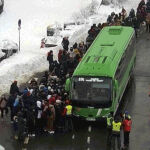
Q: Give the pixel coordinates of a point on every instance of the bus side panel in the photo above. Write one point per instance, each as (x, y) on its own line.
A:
(124, 82)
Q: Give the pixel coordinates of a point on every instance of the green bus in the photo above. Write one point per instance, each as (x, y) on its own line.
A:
(100, 79)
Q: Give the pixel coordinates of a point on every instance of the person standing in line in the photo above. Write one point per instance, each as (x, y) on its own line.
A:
(116, 127)
(3, 106)
(68, 123)
(65, 43)
(126, 129)
(14, 88)
(109, 127)
(50, 60)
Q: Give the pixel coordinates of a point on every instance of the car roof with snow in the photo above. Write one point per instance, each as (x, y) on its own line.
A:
(8, 45)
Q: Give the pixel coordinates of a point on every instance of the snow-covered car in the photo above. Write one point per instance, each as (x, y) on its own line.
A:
(50, 42)
(8, 47)
(1, 5)
(68, 24)
(53, 29)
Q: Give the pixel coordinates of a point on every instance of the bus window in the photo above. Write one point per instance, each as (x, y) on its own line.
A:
(91, 90)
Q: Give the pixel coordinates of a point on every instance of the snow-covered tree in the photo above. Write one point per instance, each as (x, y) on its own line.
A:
(115, 2)
(86, 12)
(106, 2)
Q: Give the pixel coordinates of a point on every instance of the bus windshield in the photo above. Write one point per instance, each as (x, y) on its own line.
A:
(91, 90)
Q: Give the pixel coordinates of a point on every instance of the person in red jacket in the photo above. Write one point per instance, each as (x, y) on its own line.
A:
(126, 128)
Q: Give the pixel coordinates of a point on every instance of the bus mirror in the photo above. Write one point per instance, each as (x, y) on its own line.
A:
(67, 85)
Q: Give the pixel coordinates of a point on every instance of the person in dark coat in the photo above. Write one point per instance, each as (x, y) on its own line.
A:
(21, 126)
(136, 25)
(109, 19)
(65, 43)
(11, 101)
(75, 45)
(14, 88)
(64, 61)
(132, 13)
(50, 60)
(58, 110)
(141, 4)
(30, 122)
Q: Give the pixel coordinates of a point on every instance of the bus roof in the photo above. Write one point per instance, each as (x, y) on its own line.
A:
(104, 55)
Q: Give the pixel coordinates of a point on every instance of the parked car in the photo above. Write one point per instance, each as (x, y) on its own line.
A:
(53, 29)
(50, 31)
(1, 6)
(8, 48)
(66, 24)
(50, 42)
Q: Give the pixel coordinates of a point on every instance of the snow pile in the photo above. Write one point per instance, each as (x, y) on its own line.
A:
(8, 45)
(2, 148)
(1, 54)
(39, 15)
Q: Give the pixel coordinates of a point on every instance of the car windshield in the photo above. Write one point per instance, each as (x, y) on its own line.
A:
(91, 89)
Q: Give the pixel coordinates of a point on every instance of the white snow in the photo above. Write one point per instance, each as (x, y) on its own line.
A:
(36, 15)
(2, 148)
(1, 54)
(8, 45)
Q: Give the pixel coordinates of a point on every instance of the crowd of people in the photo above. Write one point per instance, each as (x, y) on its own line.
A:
(135, 19)
(44, 106)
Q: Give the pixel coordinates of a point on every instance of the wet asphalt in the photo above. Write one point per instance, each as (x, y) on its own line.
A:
(92, 136)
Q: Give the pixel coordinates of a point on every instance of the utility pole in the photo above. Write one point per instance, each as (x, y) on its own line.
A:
(19, 28)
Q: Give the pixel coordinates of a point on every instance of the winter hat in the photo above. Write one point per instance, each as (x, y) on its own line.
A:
(49, 96)
(38, 103)
(49, 88)
(126, 112)
(65, 93)
(25, 91)
(52, 90)
(58, 101)
(45, 89)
